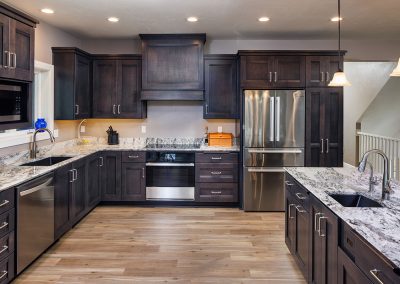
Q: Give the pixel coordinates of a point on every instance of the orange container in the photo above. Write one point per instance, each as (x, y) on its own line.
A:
(220, 139)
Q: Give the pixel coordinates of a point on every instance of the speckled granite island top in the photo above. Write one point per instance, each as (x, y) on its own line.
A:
(12, 173)
(379, 226)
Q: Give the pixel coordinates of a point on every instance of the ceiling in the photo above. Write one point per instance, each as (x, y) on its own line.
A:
(233, 19)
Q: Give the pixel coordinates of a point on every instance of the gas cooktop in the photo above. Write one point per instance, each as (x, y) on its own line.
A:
(173, 146)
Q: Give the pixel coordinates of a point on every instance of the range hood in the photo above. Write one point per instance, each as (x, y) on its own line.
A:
(173, 67)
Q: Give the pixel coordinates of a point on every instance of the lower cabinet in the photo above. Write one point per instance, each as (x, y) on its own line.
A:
(133, 181)
(110, 176)
(348, 272)
(7, 235)
(62, 191)
(7, 269)
(93, 165)
(78, 191)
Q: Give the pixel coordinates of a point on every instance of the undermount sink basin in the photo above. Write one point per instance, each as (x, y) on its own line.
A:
(355, 200)
(47, 161)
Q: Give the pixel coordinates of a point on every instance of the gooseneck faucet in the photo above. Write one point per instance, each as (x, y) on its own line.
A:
(34, 142)
(386, 188)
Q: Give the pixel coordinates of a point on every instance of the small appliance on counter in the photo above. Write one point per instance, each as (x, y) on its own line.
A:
(113, 137)
(220, 139)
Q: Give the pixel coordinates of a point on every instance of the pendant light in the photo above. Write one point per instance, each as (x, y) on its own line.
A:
(396, 71)
(339, 78)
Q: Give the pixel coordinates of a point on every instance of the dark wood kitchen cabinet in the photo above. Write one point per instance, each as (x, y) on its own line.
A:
(93, 166)
(72, 83)
(62, 192)
(117, 86)
(17, 37)
(78, 191)
(320, 69)
(260, 70)
(348, 272)
(133, 181)
(173, 66)
(111, 176)
(324, 131)
(221, 87)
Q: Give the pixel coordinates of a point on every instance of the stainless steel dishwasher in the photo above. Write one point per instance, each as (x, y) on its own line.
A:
(35, 219)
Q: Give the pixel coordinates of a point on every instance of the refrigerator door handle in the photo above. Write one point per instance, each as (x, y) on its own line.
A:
(278, 118)
(271, 119)
(276, 151)
(266, 170)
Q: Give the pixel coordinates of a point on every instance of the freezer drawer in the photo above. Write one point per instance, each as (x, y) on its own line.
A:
(274, 157)
(264, 189)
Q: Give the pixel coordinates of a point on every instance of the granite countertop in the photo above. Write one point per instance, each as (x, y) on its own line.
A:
(13, 174)
(379, 226)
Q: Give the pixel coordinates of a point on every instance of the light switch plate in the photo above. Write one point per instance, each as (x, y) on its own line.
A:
(219, 129)
(143, 128)
(83, 128)
(55, 132)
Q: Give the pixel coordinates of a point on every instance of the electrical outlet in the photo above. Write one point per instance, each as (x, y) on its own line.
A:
(143, 128)
(55, 132)
(219, 129)
(83, 128)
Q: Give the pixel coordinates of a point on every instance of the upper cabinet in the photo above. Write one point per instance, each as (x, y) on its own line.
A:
(221, 87)
(72, 83)
(17, 37)
(116, 87)
(269, 70)
(173, 66)
(320, 69)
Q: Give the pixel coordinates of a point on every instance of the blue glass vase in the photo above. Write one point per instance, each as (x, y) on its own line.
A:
(40, 123)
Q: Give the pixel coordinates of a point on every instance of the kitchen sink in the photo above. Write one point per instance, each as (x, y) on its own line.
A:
(355, 200)
(47, 161)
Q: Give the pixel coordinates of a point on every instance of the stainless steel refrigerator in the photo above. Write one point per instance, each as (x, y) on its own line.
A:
(274, 128)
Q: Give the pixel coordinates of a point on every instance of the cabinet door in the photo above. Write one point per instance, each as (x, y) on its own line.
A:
(316, 75)
(301, 245)
(62, 192)
(79, 191)
(82, 87)
(256, 71)
(289, 71)
(348, 272)
(111, 176)
(93, 178)
(129, 86)
(315, 121)
(333, 126)
(133, 181)
(4, 46)
(290, 221)
(22, 38)
(104, 88)
(221, 95)
(316, 246)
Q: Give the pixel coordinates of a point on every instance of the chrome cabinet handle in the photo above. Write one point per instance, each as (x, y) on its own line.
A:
(7, 59)
(206, 108)
(276, 77)
(299, 210)
(216, 192)
(101, 161)
(315, 221)
(119, 109)
(328, 77)
(72, 176)
(3, 249)
(4, 225)
(327, 146)
(288, 183)
(322, 77)
(289, 211)
(216, 158)
(299, 196)
(216, 173)
(322, 146)
(270, 77)
(15, 60)
(13, 57)
(319, 226)
(4, 273)
(4, 203)
(133, 157)
(143, 175)
(76, 109)
(374, 273)
(113, 109)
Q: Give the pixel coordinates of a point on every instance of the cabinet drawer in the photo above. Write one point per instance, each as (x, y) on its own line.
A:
(7, 222)
(370, 262)
(348, 272)
(6, 200)
(135, 157)
(6, 245)
(217, 192)
(299, 193)
(216, 172)
(216, 157)
(7, 269)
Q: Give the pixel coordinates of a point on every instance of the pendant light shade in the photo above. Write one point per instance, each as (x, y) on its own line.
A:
(396, 71)
(339, 78)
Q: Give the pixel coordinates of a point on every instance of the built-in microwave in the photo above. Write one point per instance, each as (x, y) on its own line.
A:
(15, 105)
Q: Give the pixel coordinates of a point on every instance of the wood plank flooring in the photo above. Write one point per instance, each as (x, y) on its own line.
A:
(123, 244)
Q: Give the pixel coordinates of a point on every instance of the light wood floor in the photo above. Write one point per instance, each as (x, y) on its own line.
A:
(117, 244)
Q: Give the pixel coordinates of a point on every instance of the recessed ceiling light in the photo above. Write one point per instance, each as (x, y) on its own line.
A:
(263, 19)
(336, 19)
(47, 11)
(192, 19)
(113, 19)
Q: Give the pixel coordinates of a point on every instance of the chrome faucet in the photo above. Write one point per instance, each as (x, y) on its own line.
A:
(33, 144)
(386, 188)
(373, 180)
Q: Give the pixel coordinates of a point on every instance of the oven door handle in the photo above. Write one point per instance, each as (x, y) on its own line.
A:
(170, 164)
(266, 170)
